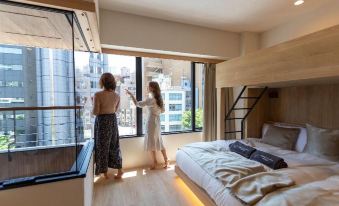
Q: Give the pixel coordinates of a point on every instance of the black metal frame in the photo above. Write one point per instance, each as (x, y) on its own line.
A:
(193, 96)
(138, 74)
(249, 110)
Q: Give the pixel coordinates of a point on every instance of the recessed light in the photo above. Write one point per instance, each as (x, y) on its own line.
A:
(298, 2)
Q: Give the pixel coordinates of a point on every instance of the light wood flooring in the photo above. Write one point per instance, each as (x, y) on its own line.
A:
(144, 187)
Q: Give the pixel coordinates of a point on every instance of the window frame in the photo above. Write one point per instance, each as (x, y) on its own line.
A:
(139, 111)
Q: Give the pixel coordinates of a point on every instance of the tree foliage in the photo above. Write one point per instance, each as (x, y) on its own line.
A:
(4, 141)
(187, 119)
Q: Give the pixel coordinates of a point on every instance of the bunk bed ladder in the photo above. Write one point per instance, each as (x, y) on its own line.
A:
(247, 109)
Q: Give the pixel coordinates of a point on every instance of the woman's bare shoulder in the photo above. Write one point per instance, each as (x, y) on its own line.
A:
(99, 93)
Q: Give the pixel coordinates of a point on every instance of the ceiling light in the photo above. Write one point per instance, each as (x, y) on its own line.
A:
(298, 2)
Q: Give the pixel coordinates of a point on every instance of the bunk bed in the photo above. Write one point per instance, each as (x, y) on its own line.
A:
(295, 82)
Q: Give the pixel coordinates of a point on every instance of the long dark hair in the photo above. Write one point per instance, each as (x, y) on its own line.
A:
(156, 93)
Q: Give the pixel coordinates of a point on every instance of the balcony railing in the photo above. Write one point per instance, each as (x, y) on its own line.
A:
(44, 127)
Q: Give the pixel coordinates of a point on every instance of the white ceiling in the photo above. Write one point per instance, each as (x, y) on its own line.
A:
(229, 15)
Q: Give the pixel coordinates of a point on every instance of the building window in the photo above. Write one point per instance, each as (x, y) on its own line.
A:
(175, 96)
(174, 128)
(162, 118)
(10, 50)
(175, 107)
(175, 117)
(10, 67)
(14, 84)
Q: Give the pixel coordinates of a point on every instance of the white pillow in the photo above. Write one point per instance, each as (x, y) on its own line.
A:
(302, 138)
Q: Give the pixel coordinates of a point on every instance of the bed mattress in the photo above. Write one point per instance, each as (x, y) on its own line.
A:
(215, 189)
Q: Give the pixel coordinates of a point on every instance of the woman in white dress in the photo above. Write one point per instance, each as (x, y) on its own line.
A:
(155, 106)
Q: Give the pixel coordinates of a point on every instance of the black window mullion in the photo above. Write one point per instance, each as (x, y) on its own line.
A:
(193, 95)
(138, 74)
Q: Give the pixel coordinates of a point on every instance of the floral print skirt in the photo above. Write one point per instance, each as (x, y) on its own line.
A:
(107, 148)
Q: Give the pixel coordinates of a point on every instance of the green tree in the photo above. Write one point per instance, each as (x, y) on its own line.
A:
(187, 119)
(4, 141)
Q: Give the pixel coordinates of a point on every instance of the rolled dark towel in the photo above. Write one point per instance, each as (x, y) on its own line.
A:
(269, 160)
(242, 149)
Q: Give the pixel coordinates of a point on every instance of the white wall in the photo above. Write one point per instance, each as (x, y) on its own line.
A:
(126, 30)
(133, 154)
(322, 18)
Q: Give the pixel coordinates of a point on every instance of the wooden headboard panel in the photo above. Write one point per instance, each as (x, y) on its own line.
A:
(316, 104)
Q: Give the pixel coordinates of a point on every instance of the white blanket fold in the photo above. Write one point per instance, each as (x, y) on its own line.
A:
(318, 193)
(226, 166)
(249, 190)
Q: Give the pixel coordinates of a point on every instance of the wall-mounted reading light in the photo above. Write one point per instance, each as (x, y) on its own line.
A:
(298, 2)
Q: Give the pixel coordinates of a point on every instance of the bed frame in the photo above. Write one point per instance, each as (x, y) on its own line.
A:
(197, 190)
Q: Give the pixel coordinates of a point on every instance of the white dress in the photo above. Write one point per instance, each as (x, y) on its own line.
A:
(153, 139)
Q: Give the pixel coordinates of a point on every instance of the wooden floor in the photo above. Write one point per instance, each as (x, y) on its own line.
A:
(144, 187)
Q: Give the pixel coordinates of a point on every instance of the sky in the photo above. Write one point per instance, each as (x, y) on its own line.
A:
(114, 61)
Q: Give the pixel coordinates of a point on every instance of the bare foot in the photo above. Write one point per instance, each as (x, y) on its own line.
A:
(106, 176)
(154, 166)
(166, 163)
(118, 176)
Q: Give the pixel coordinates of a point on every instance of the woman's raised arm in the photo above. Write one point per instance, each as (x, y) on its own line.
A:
(132, 96)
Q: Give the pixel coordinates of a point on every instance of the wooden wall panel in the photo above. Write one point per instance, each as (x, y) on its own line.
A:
(317, 105)
(312, 57)
(259, 115)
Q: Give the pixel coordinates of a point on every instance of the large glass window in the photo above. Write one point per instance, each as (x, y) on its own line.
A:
(89, 67)
(174, 78)
(35, 78)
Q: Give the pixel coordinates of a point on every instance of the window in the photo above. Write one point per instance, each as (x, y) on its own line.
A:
(175, 81)
(162, 118)
(173, 128)
(10, 50)
(10, 67)
(175, 96)
(134, 73)
(124, 70)
(37, 77)
(175, 107)
(14, 84)
(175, 117)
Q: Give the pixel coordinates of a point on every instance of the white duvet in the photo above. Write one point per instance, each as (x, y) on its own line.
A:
(220, 194)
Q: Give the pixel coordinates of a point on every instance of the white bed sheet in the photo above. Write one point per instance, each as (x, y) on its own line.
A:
(216, 190)
(212, 186)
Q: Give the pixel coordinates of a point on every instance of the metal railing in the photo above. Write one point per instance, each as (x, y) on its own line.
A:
(14, 114)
